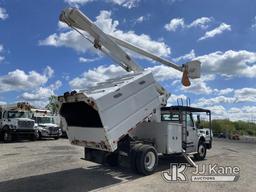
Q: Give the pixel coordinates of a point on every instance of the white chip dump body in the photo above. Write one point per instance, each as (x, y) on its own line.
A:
(100, 116)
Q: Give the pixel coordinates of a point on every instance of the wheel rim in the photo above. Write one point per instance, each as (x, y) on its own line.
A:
(37, 134)
(6, 136)
(150, 160)
(201, 150)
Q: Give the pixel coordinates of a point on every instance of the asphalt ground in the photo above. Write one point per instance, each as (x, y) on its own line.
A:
(55, 165)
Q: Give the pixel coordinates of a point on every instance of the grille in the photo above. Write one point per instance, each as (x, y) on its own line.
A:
(25, 124)
(53, 129)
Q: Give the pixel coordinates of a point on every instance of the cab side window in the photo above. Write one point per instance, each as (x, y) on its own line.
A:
(190, 120)
(5, 115)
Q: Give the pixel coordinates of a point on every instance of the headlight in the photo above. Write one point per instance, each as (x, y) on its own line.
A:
(42, 128)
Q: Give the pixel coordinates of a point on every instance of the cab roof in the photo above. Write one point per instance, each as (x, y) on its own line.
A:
(185, 108)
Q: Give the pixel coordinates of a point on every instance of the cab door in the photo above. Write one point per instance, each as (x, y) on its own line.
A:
(191, 140)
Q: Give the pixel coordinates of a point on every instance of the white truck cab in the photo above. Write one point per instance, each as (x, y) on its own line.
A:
(45, 124)
(15, 121)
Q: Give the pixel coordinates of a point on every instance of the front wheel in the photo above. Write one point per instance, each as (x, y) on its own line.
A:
(201, 152)
(36, 135)
(146, 159)
(7, 136)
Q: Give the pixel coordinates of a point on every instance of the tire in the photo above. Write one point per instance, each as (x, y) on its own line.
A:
(39, 135)
(56, 138)
(133, 155)
(36, 135)
(7, 136)
(112, 159)
(146, 160)
(201, 152)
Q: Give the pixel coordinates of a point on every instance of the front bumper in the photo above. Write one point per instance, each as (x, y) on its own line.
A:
(47, 133)
(23, 132)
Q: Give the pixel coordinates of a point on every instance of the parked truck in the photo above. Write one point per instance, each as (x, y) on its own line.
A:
(15, 121)
(45, 124)
(127, 116)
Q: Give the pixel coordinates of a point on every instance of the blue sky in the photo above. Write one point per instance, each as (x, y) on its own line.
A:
(40, 56)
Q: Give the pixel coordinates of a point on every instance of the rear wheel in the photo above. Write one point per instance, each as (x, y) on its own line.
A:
(133, 154)
(146, 159)
(201, 152)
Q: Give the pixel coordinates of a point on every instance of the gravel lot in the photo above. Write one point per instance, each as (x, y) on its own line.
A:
(51, 165)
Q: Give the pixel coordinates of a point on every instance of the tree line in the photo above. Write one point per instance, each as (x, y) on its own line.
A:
(232, 127)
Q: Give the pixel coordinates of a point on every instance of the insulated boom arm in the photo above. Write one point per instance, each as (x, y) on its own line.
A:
(111, 46)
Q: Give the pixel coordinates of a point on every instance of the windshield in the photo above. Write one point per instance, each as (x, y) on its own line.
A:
(42, 120)
(18, 114)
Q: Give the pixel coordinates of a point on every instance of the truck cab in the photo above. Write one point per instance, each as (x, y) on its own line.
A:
(15, 121)
(195, 139)
(45, 124)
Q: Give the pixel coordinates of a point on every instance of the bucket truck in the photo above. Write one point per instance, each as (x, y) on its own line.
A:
(124, 117)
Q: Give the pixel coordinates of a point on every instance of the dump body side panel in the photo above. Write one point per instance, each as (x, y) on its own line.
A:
(108, 112)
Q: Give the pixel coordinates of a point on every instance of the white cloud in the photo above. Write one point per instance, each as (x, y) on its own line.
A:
(20, 80)
(87, 60)
(102, 73)
(62, 26)
(3, 14)
(96, 75)
(189, 56)
(70, 39)
(253, 26)
(3, 103)
(201, 22)
(240, 96)
(174, 99)
(225, 91)
(199, 86)
(245, 95)
(245, 113)
(217, 31)
(164, 73)
(174, 24)
(140, 19)
(237, 63)
(124, 3)
(215, 101)
(74, 40)
(42, 93)
(218, 111)
(1, 51)
(39, 97)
